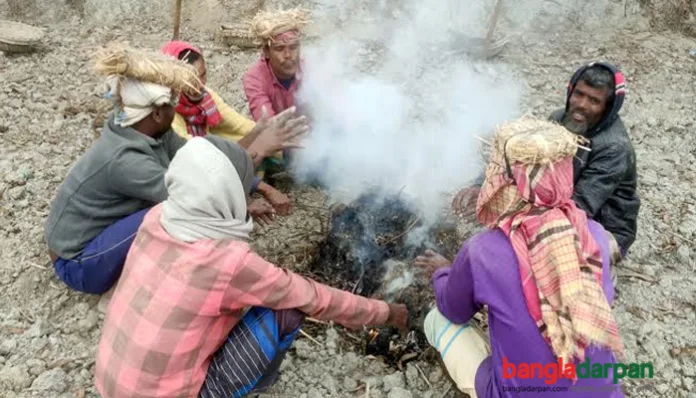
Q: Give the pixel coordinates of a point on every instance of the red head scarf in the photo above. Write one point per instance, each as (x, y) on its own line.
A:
(201, 114)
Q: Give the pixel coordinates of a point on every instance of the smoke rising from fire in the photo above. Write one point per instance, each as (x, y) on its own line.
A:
(395, 109)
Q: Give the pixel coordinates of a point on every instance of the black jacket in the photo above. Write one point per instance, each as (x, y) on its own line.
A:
(606, 179)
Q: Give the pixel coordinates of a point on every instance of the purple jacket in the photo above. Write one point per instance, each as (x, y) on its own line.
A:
(486, 272)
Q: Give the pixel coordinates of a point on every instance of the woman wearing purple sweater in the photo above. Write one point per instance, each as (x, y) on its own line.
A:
(541, 268)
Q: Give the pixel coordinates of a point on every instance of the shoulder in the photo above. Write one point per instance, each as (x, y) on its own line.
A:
(215, 96)
(615, 134)
(489, 246)
(613, 141)
(258, 71)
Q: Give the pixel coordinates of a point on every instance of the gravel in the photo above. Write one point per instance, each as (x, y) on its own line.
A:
(50, 103)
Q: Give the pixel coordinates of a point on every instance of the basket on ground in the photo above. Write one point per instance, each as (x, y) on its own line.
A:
(16, 37)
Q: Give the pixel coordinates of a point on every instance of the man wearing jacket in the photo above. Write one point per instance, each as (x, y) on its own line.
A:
(605, 177)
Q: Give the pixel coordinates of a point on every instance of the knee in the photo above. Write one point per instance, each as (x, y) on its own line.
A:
(289, 320)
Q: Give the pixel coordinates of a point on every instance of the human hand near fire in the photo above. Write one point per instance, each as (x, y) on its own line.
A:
(464, 202)
(431, 261)
(261, 211)
(398, 318)
(278, 132)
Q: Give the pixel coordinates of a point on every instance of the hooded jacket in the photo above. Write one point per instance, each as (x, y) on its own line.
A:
(605, 177)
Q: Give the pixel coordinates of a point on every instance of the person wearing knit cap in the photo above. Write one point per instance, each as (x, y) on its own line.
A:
(542, 270)
(605, 178)
(206, 113)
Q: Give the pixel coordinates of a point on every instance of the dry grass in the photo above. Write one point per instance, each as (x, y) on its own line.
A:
(148, 67)
(267, 24)
(530, 140)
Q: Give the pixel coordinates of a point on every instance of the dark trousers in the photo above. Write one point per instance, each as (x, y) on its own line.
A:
(99, 266)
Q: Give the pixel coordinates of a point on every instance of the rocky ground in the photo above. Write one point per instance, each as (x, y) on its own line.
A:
(50, 106)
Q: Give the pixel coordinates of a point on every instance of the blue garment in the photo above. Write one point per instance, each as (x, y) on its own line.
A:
(249, 360)
(97, 268)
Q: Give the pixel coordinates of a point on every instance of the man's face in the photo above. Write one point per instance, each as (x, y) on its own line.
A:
(587, 106)
(284, 58)
(163, 117)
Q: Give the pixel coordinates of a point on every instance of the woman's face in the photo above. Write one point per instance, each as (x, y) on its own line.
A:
(202, 71)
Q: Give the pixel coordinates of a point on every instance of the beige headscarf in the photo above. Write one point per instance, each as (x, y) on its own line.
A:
(206, 196)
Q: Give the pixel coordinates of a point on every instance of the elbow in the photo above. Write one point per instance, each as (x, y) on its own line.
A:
(457, 314)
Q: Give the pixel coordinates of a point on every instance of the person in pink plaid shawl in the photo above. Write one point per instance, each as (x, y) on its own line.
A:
(196, 312)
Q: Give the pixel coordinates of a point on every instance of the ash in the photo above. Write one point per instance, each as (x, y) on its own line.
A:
(369, 250)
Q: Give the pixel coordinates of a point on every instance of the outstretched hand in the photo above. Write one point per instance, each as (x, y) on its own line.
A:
(398, 318)
(262, 212)
(279, 132)
(431, 261)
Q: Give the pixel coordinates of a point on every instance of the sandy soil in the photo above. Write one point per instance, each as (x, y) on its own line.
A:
(49, 103)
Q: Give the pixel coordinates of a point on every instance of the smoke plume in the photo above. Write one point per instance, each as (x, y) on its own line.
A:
(396, 106)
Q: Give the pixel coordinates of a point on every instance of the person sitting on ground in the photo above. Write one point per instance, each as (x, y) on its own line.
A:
(542, 269)
(197, 313)
(605, 178)
(103, 199)
(273, 81)
(206, 113)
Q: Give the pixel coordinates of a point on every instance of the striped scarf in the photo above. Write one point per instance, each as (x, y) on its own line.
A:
(560, 263)
(199, 115)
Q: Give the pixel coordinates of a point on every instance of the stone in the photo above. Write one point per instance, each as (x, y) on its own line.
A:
(398, 392)
(36, 366)
(40, 328)
(14, 378)
(349, 384)
(314, 393)
(684, 253)
(55, 380)
(8, 346)
(89, 322)
(393, 380)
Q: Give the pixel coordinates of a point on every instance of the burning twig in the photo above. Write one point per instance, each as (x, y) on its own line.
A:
(310, 337)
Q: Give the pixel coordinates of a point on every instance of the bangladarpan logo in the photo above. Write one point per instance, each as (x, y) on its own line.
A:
(551, 372)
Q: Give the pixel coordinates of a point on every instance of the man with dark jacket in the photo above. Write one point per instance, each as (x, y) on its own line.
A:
(605, 177)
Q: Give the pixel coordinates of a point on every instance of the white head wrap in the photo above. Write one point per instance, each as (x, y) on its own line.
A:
(206, 197)
(137, 99)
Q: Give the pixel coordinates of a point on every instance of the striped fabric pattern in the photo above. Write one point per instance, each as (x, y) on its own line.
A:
(176, 303)
(249, 360)
(560, 263)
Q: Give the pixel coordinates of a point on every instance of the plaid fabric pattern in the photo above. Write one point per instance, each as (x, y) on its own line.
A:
(176, 303)
(560, 263)
(199, 116)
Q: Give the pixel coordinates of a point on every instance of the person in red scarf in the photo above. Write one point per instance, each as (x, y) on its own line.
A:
(209, 114)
